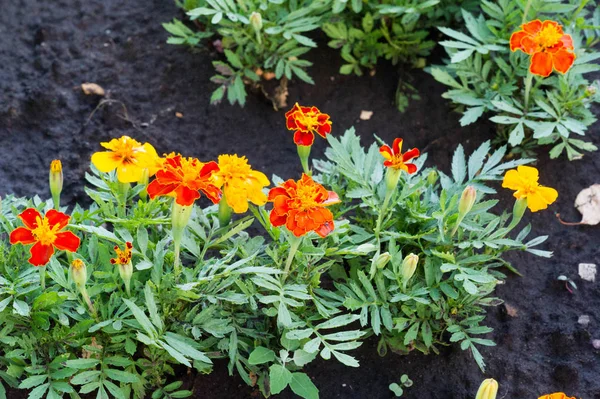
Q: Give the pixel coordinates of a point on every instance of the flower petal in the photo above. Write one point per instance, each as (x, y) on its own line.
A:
(397, 146)
(209, 168)
(155, 188)
(532, 27)
(129, 173)
(277, 191)
(386, 151)
(332, 198)
(22, 235)
(512, 180)
(410, 168)
(410, 154)
(562, 60)
(40, 254)
(30, 217)
(212, 192)
(67, 241)
(106, 161)
(541, 64)
(548, 193)
(325, 228)
(567, 42)
(303, 138)
(55, 217)
(528, 45)
(515, 40)
(528, 172)
(277, 220)
(186, 196)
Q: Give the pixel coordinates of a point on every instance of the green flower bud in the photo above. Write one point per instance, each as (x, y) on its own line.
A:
(409, 266)
(591, 91)
(467, 200)
(432, 177)
(256, 21)
(56, 181)
(382, 260)
(488, 389)
(79, 273)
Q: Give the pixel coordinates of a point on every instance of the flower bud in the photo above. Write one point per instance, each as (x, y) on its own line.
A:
(409, 266)
(432, 177)
(256, 21)
(79, 273)
(123, 261)
(392, 176)
(591, 91)
(382, 260)
(56, 181)
(488, 389)
(144, 181)
(467, 199)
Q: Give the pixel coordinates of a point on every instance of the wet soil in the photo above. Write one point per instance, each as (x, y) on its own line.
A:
(49, 48)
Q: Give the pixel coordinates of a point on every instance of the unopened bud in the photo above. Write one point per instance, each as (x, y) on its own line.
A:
(56, 181)
(144, 181)
(382, 260)
(79, 273)
(409, 266)
(488, 389)
(591, 91)
(467, 200)
(432, 177)
(256, 21)
(392, 175)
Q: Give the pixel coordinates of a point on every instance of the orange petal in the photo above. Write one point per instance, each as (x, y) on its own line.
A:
(332, 198)
(515, 40)
(29, 217)
(209, 168)
(532, 27)
(40, 254)
(528, 45)
(155, 189)
(567, 42)
(563, 60)
(67, 241)
(541, 64)
(277, 191)
(186, 196)
(22, 235)
(325, 229)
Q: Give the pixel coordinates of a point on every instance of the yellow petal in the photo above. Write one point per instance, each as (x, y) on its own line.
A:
(260, 177)
(257, 197)
(236, 199)
(536, 202)
(129, 173)
(528, 173)
(550, 195)
(512, 180)
(105, 161)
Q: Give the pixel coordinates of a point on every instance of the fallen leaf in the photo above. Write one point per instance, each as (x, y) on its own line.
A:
(511, 310)
(179, 114)
(588, 204)
(365, 115)
(587, 271)
(92, 88)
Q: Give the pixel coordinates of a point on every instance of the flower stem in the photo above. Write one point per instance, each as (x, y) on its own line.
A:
(294, 245)
(526, 11)
(88, 301)
(180, 215)
(304, 153)
(382, 212)
(56, 201)
(43, 277)
(123, 191)
(528, 82)
(224, 212)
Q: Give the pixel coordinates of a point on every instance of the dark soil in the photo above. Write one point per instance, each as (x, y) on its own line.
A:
(49, 48)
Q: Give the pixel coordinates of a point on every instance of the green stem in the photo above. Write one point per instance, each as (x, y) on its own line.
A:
(304, 153)
(123, 191)
(382, 211)
(43, 277)
(180, 215)
(528, 81)
(224, 212)
(294, 245)
(526, 11)
(56, 201)
(88, 301)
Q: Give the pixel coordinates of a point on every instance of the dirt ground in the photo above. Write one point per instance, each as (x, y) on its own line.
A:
(49, 48)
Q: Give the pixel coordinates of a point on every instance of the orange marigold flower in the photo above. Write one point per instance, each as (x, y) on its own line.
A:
(306, 121)
(548, 45)
(45, 234)
(184, 178)
(129, 157)
(301, 206)
(524, 180)
(557, 395)
(396, 159)
(123, 256)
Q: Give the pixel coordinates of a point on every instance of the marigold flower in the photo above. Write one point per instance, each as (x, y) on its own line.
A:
(548, 45)
(184, 178)
(240, 183)
(557, 395)
(301, 206)
(396, 159)
(306, 121)
(129, 157)
(123, 256)
(525, 181)
(45, 234)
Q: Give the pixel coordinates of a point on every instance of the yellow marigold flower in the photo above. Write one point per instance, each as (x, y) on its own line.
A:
(129, 157)
(524, 180)
(240, 183)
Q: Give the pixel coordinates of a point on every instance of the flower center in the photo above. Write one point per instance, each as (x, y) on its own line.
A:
(305, 197)
(43, 233)
(231, 168)
(309, 119)
(126, 150)
(190, 169)
(549, 36)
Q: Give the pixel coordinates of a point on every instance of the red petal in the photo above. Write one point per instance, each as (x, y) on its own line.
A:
(541, 64)
(532, 27)
(397, 146)
(57, 218)
(304, 138)
(563, 60)
(277, 220)
(385, 149)
(388, 163)
(209, 168)
(410, 154)
(291, 122)
(213, 193)
(155, 189)
(186, 196)
(323, 130)
(277, 191)
(411, 168)
(515, 40)
(325, 229)
(567, 42)
(67, 241)
(40, 254)
(29, 217)
(22, 235)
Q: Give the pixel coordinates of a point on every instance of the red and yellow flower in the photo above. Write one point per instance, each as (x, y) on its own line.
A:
(123, 255)
(240, 183)
(306, 121)
(395, 159)
(548, 45)
(524, 180)
(184, 179)
(557, 395)
(129, 157)
(45, 233)
(300, 206)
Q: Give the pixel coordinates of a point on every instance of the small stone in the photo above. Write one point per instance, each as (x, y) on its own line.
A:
(584, 320)
(178, 114)
(344, 385)
(587, 271)
(365, 115)
(596, 343)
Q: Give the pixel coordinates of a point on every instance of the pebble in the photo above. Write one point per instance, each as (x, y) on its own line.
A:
(584, 320)
(596, 343)
(587, 271)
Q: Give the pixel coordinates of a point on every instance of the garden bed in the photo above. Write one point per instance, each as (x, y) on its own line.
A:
(54, 47)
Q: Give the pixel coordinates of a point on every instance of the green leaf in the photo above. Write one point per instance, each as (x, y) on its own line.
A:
(302, 357)
(444, 77)
(261, 355)
(152, 308)
(20, 307)
(279, 378)
(82, 364)
(33, 381)
(233, 59)
(141, 318)
(120, 375)
(302, 386)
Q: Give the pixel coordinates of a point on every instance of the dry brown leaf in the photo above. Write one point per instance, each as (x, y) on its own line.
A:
(511, 310)
(588, 204)
(92, 88)
(365, 115)
(268, 75)
(179, 114)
